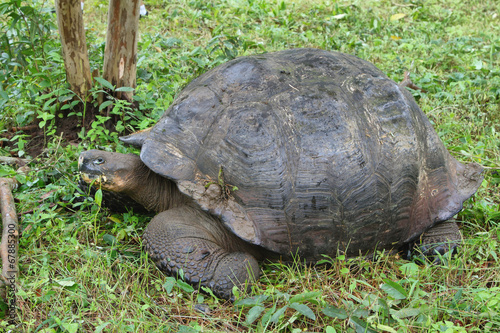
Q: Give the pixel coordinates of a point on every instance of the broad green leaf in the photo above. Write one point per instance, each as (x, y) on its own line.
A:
(394, 290)
(410, 269)
(121, 234)
(70, 105)
(397, 17)
(304, 310)
(99, 328)
(330, 329)
(71, 328)
(105, 83)
(198, 61)
(305, 296)
(98, 197)
(385, 328)
(169, 284)
(236, 292)
(253, 314)
(68, 95)
(47, 297)
(334, 312)
(105, 105)
(187, 329)
(185, 286)
(66, 283)
(458, 295)
(406, 313)
(361, 312)
(109, 239)
(361, 326)
(276, 316)
(251, 301)
(267, 316)
(47, 103)
(384, 308)
(126, 89)
(114, 219)
(44, 96)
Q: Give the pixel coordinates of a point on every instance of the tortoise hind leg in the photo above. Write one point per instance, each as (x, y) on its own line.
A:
(188, 239)
(440, 239)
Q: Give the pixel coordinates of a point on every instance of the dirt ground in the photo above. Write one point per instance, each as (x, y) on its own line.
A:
(67, 127)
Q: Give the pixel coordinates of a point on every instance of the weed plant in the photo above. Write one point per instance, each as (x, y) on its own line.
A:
(81, 266)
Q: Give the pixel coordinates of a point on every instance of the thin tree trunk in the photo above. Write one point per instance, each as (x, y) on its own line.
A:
(74, 46)
(120, 53)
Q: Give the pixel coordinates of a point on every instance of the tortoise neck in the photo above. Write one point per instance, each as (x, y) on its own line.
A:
(154, 192)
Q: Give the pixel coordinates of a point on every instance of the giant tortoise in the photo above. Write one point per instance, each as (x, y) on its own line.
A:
(301, 152)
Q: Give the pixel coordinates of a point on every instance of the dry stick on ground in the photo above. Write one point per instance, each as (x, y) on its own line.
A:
(10, 238)
(26, 128)
(13, 160)
(408, 83)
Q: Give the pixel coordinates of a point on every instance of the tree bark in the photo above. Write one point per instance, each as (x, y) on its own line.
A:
(120, 53)
(9, 246)
(74, 45)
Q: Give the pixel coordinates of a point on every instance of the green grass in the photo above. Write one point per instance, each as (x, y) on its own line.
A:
(82, 268)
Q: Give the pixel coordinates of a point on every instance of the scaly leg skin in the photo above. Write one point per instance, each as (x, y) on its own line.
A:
(189, 239)
(440, 239)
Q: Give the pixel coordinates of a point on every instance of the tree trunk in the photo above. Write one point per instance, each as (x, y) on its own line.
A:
(74, 46)
(120, 53)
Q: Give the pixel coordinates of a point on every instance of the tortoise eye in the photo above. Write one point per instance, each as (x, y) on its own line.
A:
(99, 160)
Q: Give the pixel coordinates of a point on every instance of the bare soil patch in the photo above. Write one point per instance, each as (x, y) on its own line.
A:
(67, 127)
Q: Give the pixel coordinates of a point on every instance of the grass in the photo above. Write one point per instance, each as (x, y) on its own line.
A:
(82, 268)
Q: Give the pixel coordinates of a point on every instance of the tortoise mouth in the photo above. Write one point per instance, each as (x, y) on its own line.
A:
(90, 173)
(95, 178)
(112, 200)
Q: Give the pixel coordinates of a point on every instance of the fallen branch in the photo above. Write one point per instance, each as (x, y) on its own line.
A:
(13, 160)
(10, 244)
(28, 128)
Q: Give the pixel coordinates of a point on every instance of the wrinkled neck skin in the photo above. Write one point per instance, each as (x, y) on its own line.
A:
(154, 192)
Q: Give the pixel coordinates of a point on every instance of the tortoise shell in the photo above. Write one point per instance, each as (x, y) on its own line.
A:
(320, 152)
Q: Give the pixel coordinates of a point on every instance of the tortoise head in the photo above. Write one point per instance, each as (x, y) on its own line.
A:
(111, 171)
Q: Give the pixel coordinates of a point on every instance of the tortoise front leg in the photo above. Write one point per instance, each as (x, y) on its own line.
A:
(189, 239)
(440, 239)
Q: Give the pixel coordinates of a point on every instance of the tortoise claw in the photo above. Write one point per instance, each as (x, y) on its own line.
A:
(435, 252)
